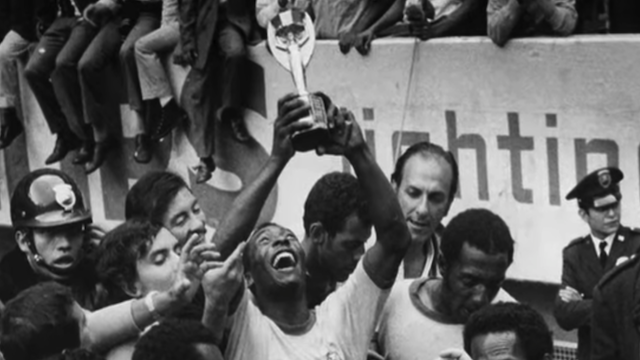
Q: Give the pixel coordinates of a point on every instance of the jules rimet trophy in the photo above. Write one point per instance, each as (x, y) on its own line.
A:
(291, 38)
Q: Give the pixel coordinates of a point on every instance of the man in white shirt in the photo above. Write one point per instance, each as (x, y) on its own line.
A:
(279, 325)
(427, 315)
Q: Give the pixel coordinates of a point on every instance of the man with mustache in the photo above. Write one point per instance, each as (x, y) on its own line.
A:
(54, 234)
(425, 179)
(587, 259)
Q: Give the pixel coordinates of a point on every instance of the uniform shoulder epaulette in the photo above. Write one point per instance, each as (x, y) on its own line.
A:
(618, 269)
(577, 241)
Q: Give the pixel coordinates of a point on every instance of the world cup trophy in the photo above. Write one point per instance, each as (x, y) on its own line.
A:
(291, 39)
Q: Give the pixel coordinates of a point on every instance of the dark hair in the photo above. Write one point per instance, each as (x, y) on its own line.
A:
(333, 198)
(481, 229)
(426, 148)
(173, 339)
(39, 323)
(150, 197)
(531, 331)
(118, 254)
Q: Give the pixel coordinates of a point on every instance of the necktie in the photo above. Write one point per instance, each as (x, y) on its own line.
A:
(603, 253)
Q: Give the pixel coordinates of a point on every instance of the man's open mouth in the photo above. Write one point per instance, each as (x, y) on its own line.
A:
(64, 261)
(284, 260)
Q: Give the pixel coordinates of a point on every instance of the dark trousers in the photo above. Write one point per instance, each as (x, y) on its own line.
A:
(53, 66)
(101, 105)
(222, 75)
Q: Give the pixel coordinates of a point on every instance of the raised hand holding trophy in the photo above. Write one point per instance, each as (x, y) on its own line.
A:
(291, 38)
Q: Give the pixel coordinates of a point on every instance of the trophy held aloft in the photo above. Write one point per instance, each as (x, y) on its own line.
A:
(291, 38)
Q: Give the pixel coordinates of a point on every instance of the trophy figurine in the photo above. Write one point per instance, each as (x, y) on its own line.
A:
(291, 38)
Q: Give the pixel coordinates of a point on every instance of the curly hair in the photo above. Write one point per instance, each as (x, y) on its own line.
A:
(532, 333)
(173, 339)
(39, 323)
(481, 229)
(119, 252)
(332, 199)
(151, 195)
(426, 148)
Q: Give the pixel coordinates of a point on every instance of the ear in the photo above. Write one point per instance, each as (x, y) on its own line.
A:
(395, 185)
(317, 233)
(134, 290)
(584, 215)
(248, 279)
(22, 239)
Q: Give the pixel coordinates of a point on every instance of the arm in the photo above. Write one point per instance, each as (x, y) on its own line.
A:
(112, 325)
(603, 340)
(502, 18)
(239, 221)
(368, 27)
(381, 262)
(561, 15)
(571, 314)
(450, 24)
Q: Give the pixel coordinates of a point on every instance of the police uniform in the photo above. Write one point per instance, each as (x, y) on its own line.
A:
(46, 198)
(582, 266)
(616, 314)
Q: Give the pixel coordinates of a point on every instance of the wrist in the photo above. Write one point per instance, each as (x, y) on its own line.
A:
(360, 151)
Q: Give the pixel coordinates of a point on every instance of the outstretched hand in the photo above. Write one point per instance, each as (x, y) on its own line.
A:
(290, 109)
(223, 279)
(196, 258)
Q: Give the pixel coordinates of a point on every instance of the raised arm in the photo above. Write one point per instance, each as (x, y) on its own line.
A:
(241, 218)
(381, 261)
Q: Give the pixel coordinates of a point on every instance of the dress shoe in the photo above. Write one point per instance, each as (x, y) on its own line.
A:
(11, 127)
(85, 153)
(204, 170)
(172, 115)
(143, 153)
(63, 145)
(100, 153)
(235, 119)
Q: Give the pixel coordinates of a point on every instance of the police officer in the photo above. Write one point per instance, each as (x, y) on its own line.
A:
(587, 259)
(53, 234)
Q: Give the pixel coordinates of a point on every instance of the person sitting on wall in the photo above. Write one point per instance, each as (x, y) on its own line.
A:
(213, 42)
(508, 19)
(19, 31)
(427, 315)
(355, 23)
(54, 235)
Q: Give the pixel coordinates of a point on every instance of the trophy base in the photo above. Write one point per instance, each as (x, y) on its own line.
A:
(309, 139)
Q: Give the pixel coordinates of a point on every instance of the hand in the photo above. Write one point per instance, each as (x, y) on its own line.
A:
(94, 233)
(290, 109)
(223, 279)
(361, 41)
(454, 354)
(98, 14)
(187, 55)
(344, 134)
(196, 258)
(568, 294)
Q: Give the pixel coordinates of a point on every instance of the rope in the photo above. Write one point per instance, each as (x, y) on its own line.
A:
(414, 56)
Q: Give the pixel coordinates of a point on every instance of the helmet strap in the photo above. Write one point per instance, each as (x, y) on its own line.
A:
(39, 260)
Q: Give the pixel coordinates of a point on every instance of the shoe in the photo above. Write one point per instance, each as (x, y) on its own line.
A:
(100, 153)
(11, 128)
(204, 170)
(172, 115)
(63, 145)
(85, 153)
(142, 155)
(235, 118)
